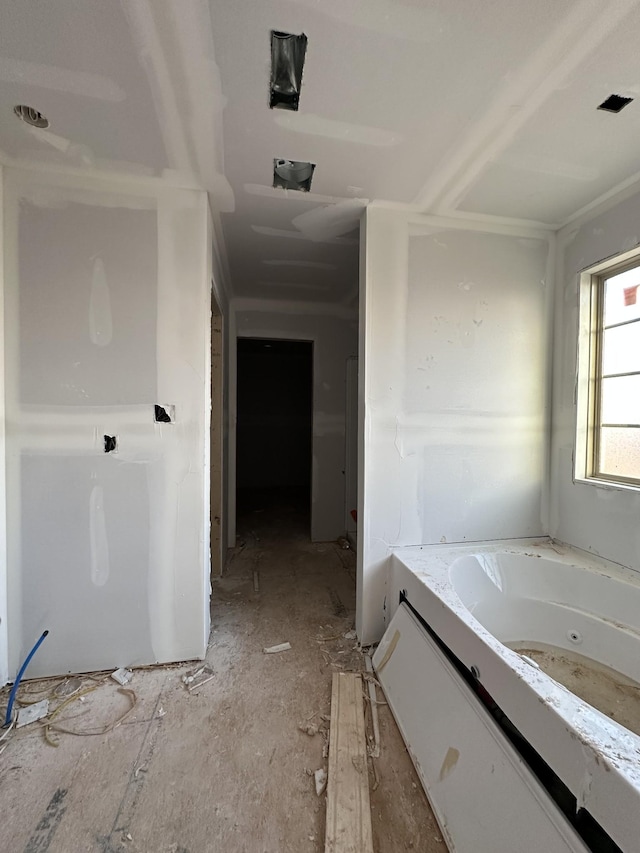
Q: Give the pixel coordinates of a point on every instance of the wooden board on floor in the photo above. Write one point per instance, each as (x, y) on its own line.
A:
(348, 828)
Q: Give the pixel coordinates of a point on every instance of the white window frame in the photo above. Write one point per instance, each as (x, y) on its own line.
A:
(588, 369)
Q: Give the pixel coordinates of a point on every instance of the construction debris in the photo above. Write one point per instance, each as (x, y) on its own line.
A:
(32, 713)
(273, 650)
(197, 677)
(52, 726)
(350, 635)
(67, 688)
(122, 676)
(320, 777)
(374, 747)
(309, 729)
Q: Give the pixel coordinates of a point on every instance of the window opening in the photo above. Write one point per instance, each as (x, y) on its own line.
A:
(612, 387)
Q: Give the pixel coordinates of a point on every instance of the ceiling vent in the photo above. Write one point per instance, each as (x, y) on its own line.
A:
(30, 116)
(292, 175)
(614, 103)
(287, 60)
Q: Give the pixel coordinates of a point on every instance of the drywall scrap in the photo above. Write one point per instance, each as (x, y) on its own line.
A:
(273, 650)
(197, 677)
(122, 676)
(32, 713)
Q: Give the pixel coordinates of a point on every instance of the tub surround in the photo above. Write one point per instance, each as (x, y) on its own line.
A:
(482, 793)
(516, 587)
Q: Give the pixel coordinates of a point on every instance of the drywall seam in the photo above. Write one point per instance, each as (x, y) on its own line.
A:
(489, 219)
(188, 381)
(467, 217)
(190, 26)
(10, 401)
(4, 636)
(109, 178)
(268, 191)
(495, 226)
(324, 309)
(386, 260)
(408, 21)
(98, 536)
(553, 492)
(207, 266)
(144, 32)
(83, 83)
(221, 272)
(583, 29)
(622, 191)
(549, 332)
(344, 131)
(362, 382)
(137, 188)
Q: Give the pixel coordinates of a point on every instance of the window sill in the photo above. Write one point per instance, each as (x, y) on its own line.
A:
(610, 485)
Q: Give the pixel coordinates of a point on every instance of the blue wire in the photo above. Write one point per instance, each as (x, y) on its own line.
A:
(16, 683)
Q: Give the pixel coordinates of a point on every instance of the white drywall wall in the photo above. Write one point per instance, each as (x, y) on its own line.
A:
(4, 640)
(107, 313)
(454, 389)
(600, 519)
(334, 332)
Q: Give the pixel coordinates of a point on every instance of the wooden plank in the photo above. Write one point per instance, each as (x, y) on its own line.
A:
(348, 827)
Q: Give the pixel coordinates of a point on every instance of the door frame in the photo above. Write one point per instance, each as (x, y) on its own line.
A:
(216, 440)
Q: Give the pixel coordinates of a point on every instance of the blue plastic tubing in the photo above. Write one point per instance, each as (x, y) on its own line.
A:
(16, 683)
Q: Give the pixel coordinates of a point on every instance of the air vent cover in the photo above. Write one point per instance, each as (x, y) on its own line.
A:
(30, 116)
(614, 103)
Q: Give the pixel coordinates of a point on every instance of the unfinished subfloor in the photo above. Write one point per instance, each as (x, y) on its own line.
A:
(224, 767)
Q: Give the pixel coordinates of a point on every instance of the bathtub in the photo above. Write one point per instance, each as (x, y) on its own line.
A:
(479, 599)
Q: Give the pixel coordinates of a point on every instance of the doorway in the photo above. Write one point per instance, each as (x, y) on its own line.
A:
(274, 431)
(216, 438)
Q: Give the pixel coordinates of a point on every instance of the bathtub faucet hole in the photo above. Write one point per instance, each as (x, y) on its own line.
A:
(574, 636)
(475, 672)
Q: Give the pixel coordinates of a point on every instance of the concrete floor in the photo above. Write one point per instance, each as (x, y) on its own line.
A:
(226, 767)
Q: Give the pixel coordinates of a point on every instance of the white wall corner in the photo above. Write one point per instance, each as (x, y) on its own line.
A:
(4, 656)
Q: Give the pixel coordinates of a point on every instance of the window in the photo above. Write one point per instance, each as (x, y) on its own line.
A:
(608, 432)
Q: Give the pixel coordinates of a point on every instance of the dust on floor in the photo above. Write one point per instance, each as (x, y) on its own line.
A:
(605, 689)
(225, 767)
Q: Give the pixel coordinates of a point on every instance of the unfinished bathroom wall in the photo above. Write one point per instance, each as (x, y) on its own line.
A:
(334, 332)
(4, 639)
(107, 315)
(596, 518)
(453, 342)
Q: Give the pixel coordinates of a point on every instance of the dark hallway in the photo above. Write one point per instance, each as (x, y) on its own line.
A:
(275, 396)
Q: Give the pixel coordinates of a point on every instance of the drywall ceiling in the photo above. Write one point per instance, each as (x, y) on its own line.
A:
(453, 106)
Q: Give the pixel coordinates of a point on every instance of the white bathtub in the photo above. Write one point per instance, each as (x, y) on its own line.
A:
(478, 597)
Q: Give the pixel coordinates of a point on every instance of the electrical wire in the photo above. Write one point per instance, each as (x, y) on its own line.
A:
(16, 683)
